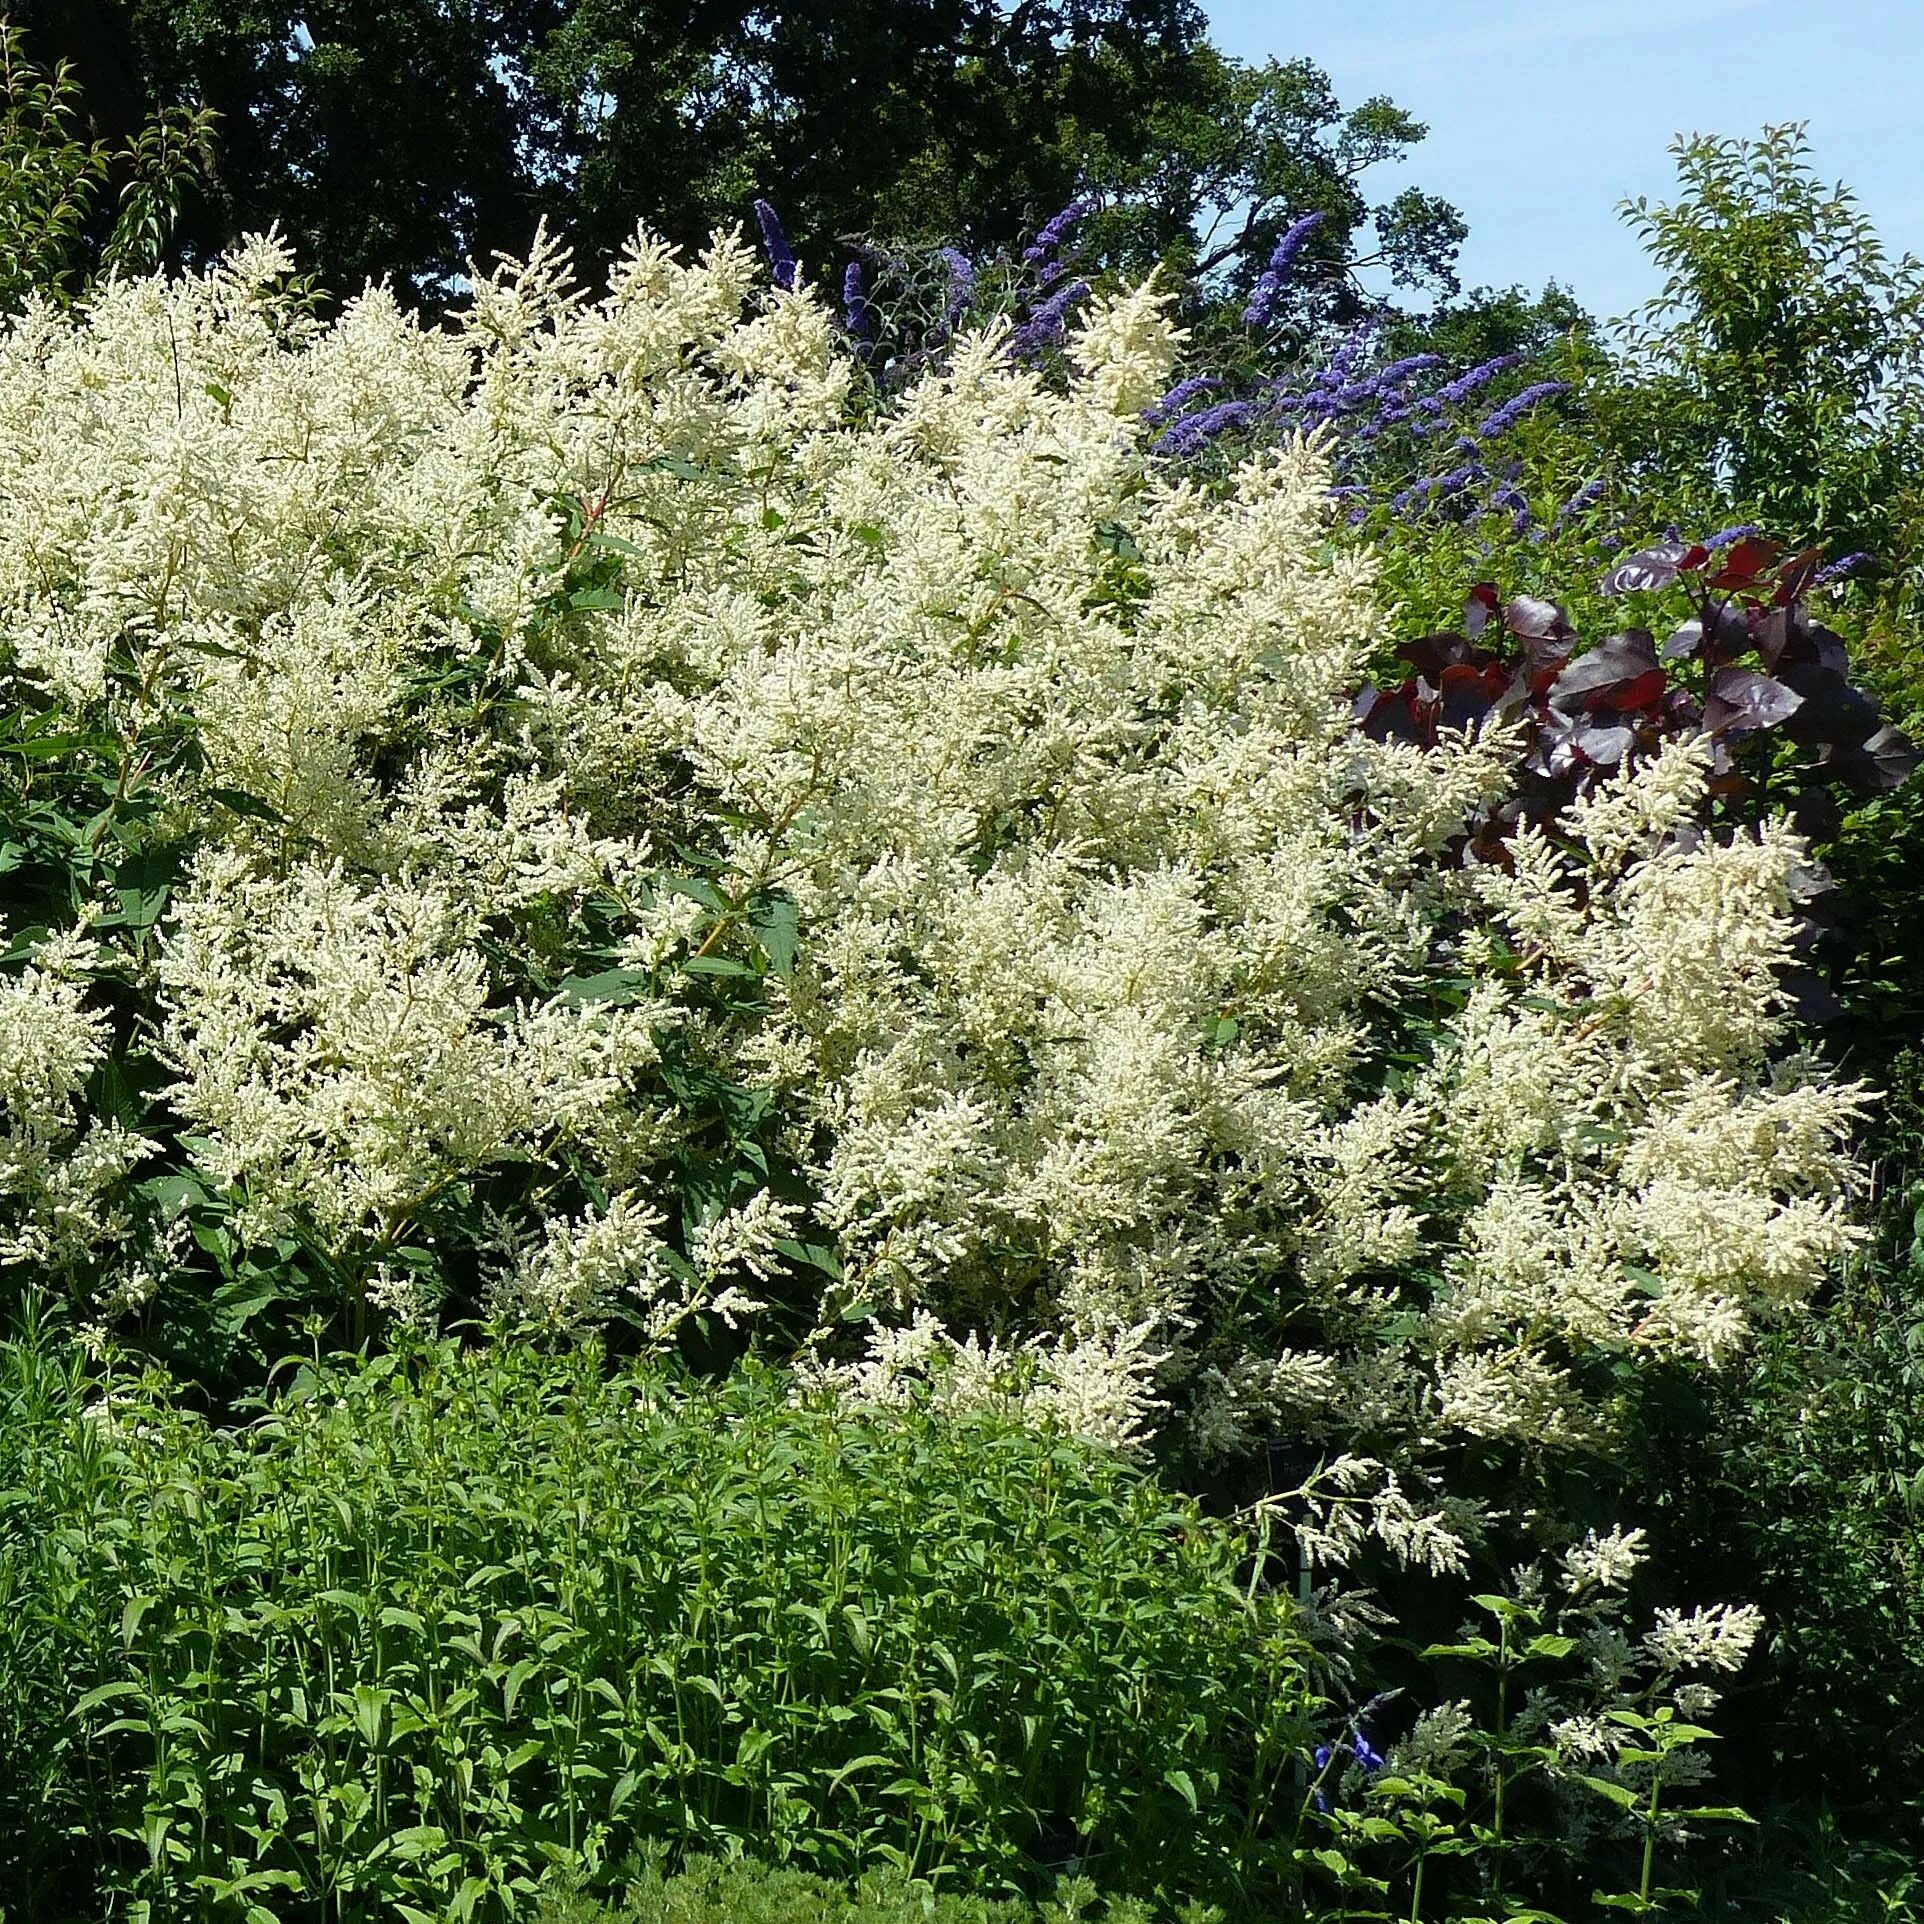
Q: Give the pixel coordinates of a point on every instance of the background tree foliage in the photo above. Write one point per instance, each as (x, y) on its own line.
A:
(401, 138)
(71, 205)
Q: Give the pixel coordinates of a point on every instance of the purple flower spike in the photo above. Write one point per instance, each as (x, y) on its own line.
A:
(1724, 537)
(1262, 299)
(1044, 325)
(961, 290)
(1178, 398)
(855, 309)
(1843, 566)
(781, 257)
(1056, 230)
(1189, 434)
(1454, 393)
(1502, 420)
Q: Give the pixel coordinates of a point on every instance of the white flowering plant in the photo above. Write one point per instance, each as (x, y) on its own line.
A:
(1574, 1757)
(574, 817)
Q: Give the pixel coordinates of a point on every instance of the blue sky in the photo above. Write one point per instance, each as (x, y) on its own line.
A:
(1544, 114)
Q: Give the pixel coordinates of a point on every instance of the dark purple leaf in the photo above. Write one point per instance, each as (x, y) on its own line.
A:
(1744, 561)
(1646, 570)
(1471, 693)
(1833, 713)
(1730, 637)
(1622, 674)
(1478, 609)
(1405, 714)
(1788, 637)
(1885, 760)
(1429, 655)
(1739, 699)
(1828, 650)
(1604, 744)
(1532, 619)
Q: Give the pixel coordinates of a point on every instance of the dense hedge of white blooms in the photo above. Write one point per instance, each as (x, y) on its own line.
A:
(1143, 1030)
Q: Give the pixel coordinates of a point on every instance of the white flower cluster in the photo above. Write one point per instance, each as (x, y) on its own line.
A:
(1115, 945)
(58, 1167)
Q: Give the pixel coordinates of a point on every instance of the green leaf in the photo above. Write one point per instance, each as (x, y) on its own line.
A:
(131, 1614)
(777, 929)
(611, 986)
(1616, 1793)
(101, 1694)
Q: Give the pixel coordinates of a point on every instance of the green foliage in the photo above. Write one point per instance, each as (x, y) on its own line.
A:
(1782, 368)
(401, 140)
(1800, 1478)
(713, 1892)
(54, 227)
(436, 1625)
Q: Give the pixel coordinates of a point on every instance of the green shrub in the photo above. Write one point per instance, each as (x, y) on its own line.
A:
(711, 1892)
(435, 1625)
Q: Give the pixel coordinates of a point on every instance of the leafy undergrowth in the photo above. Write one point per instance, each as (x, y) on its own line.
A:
(435, 1627)
(711, 1892)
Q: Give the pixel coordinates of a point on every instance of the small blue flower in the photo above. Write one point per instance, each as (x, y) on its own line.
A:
(781, 257)
(1367, 1754)
(1725, 537)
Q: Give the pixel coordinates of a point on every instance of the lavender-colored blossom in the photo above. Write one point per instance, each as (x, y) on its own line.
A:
(1342, 363)
(1057, 229)
(1844, 565)
(961, 289)
(855, 309)
(1262, 298)
(1178, 398)
(1502, 420)
(1455, 393)
(1188, 435)
(1400, 371)
(781, 257)
(1726, 537)
(1043, 328)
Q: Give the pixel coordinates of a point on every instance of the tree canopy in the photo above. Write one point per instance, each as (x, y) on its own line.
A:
(400, 139)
